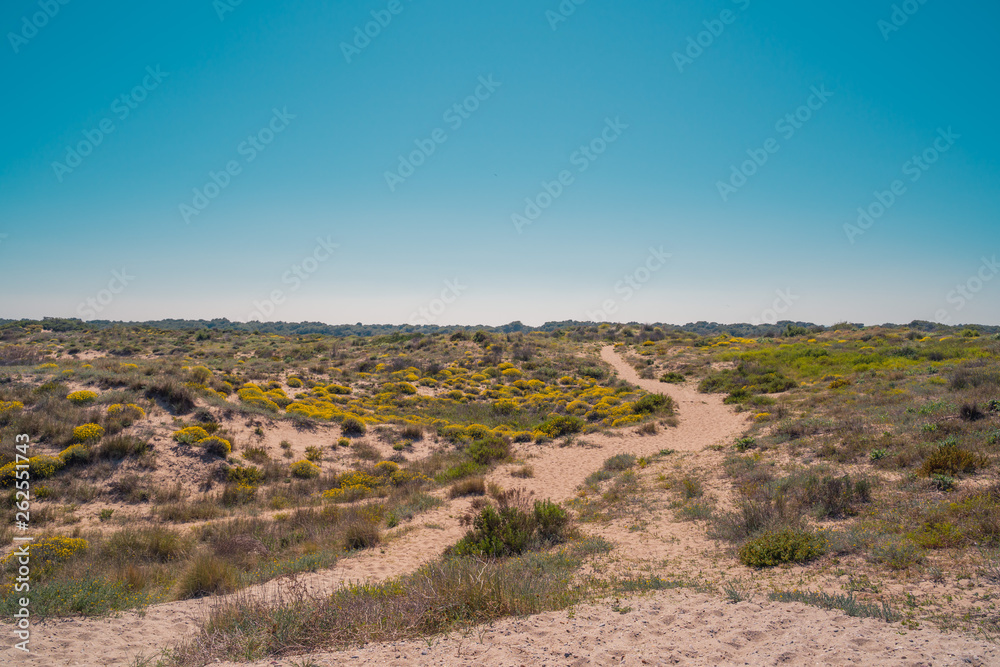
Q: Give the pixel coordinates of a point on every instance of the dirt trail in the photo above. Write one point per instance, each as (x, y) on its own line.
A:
(558, 472)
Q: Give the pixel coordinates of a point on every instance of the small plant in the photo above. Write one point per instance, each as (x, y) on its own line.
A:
(256, 454)
(672, 377)
(523, 472)
(314, 454)
(343, 442)
(943, 482)
(691, 488)
(745, 443)
(105, 514)
(970, 412)
(877, 455)
(619, 462)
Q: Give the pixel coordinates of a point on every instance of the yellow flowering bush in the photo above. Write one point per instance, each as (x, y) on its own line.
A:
(190, 435)
(294, 382)
(338, 389)
(49, 551)
(216, 445)
(253, 395)
(88, 432)
(39, 467)
(10, 407)
(82, 397)
(126, 412)
(386, 468)
(305, 469)
(125, 367)
(762, 416)
(47, 367)
(359, 478)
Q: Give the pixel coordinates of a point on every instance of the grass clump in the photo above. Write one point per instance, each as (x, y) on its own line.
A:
(353, 427)
(846, 603)
(439, 597)
(208, 574)
(473, 486)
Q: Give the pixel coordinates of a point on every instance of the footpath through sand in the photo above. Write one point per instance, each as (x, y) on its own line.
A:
(670, 627)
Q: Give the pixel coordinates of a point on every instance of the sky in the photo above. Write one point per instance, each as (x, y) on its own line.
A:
(449, 162)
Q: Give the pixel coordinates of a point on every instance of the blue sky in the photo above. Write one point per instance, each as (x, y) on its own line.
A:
(643, 109)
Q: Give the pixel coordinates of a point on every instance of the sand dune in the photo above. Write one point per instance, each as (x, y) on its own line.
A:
(670, 627)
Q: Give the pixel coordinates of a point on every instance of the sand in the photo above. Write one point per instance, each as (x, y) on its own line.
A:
(667, 627)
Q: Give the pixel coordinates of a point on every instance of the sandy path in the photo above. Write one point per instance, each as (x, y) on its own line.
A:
(559, 471)
(677, 627)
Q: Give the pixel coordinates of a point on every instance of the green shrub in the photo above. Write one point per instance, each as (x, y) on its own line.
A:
(745, 443)
(745, 380)
(488, 450)
(896, 552)
(651, 403)
(510, 530)
(951, 460)
(673, 378)
(304, 469)
(75, 454)
(788, 545)
(249, 475)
